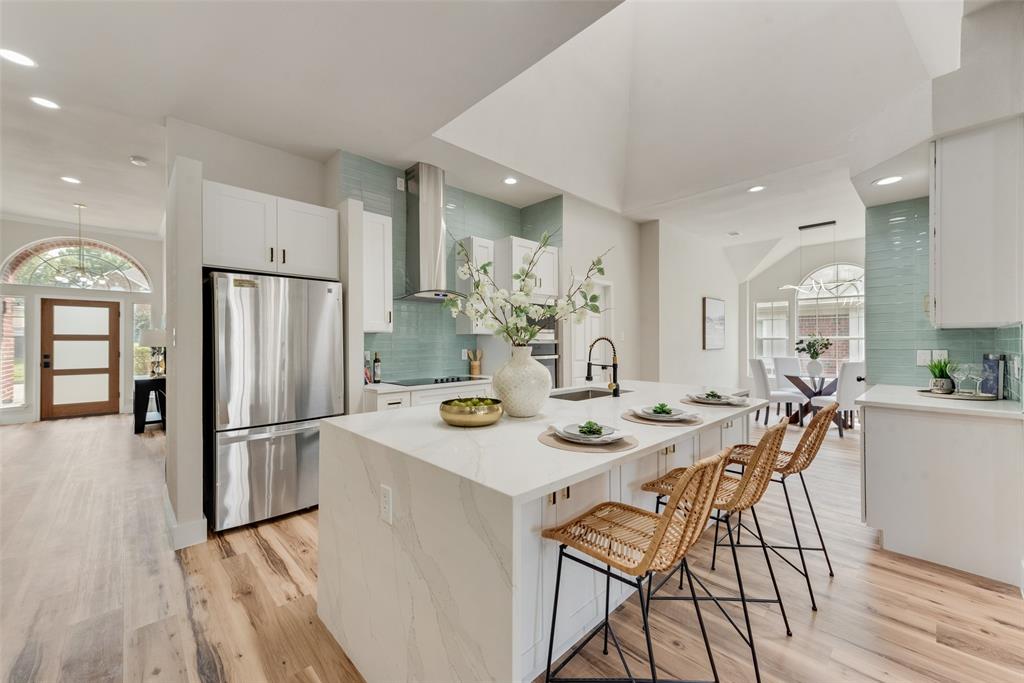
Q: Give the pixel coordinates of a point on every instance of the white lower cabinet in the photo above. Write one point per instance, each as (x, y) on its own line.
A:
(387, 401)
(435, 396)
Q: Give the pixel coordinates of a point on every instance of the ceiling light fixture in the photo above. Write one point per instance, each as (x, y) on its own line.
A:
(888, 180)
(69, 179)
(755, 188)
(78, 275)
(510, 181)
(17, 58)
(138, 160)
(43, 102)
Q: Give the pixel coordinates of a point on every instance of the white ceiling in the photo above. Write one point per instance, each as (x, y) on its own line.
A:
(374, 78)
(671, 110)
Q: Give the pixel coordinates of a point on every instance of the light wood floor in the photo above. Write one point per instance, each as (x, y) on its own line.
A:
(89, 590)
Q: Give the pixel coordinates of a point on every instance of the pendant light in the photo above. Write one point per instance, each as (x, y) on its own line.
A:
(78, 275)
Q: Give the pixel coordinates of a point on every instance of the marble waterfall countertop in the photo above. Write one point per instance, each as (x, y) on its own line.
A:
(508, 458)
(909, 398)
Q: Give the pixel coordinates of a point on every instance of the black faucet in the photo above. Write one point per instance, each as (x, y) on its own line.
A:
(614, 386)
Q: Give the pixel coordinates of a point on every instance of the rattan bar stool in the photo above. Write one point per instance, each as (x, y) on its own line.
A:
(637, 543)
(735, 494)
(791, 463)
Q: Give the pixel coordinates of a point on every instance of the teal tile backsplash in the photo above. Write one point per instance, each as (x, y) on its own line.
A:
(896, 278)
(424, 343)
(1010, 343)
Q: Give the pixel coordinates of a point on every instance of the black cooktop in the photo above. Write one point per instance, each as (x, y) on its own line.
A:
(430, 380)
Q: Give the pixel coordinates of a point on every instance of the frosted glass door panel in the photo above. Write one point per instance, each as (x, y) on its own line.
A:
(78, 355)
(80, 320)
(80, 388)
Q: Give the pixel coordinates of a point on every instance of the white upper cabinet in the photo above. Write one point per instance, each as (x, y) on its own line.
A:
(509, 255)
(977, 219)
(239, 228)
(307, 236)
(378, 296)
(248, 230)
(481, 251)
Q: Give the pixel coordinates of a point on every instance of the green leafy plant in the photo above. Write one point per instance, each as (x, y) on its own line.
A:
(814, 346)
(942, 368)
(591, 428)
(713, 395)
(661, 409)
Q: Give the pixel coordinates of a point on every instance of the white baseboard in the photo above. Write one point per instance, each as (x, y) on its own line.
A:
(183, 534)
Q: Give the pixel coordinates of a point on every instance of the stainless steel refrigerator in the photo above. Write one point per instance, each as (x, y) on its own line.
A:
(276, 366)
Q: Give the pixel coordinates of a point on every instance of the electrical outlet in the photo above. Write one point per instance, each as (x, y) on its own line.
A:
(386, 504)
(465, 354)
(940, 354)
(400, 184)
(1015, 367)
(924, 357)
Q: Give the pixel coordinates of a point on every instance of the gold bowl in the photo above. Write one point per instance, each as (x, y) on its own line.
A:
(470, 416)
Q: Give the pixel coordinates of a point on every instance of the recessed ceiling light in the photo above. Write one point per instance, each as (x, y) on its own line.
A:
(138, 160)
(734, 234)
(755, 188)
(17, 58)
(69, 179)
(43, 102)
(510, 181)
(888, 180)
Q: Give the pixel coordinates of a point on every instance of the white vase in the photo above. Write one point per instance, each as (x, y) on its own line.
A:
(815, 368)
(522, 384)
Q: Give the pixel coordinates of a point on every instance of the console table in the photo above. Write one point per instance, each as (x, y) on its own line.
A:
(144, 386)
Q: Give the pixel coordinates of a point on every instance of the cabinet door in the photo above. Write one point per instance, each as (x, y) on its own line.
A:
(976, 226)
(521, 249)
(307, 237)
(547, 272)
(633, 475)
(710, 442)
(732, 432)
(239, 228)
(393, 401)
(377, 269)
(581, 596)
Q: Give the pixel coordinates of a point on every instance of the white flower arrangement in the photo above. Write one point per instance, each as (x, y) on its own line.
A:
(515, 315)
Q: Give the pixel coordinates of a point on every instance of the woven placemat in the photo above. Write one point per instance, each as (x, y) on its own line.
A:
(633, 417)
(548, 438)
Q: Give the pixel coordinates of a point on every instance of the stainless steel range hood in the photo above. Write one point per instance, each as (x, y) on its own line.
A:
(426, 241)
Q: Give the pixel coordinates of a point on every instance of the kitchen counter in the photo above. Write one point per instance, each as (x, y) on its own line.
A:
(942, 479)
(430, 546)
(909, 398)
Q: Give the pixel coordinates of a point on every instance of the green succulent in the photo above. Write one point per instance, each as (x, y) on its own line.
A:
(941, 368)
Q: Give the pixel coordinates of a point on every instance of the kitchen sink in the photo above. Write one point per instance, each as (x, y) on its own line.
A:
(586, 394)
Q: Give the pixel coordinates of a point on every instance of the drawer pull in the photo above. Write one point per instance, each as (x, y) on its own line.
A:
(394, 403)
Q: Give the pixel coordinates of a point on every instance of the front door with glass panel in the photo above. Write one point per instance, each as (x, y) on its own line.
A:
(79, 358)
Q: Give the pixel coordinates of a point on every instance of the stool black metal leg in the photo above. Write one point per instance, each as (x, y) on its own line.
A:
(714, 548)
(799, 546)
(554, 612)
(607, 601)
(644, 607)
(700, 619)
(739, 525)
(771, 572)
(818, 528)
(743, 600)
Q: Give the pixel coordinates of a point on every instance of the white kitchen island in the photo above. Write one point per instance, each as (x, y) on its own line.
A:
(943, 479)
(457, 585)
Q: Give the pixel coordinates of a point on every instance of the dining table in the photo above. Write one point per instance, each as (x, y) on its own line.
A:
(811, 386)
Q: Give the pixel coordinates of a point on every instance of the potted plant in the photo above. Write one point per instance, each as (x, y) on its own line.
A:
(522, 384)
(814, 346)
(942, 380)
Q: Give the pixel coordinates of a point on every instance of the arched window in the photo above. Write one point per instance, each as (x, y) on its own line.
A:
(830, 303)
(52, 262)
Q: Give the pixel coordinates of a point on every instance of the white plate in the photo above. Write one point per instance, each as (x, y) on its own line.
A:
(571, 432)
(699, 398)
(677, 415)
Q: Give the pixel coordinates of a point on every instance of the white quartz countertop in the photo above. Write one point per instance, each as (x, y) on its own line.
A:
(385, 388)
(909, 398)
(508, 458)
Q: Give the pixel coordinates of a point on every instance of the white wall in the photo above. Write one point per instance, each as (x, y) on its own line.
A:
(16, 233)
(587, 231)
(789, 270)
(650, 300)
(691, 268)
(238, 162)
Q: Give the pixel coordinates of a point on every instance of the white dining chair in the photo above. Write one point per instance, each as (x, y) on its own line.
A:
(763, 390)
(786, 365)
(848, 388)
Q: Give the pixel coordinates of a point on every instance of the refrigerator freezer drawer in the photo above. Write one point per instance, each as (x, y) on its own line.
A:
(265, 472)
